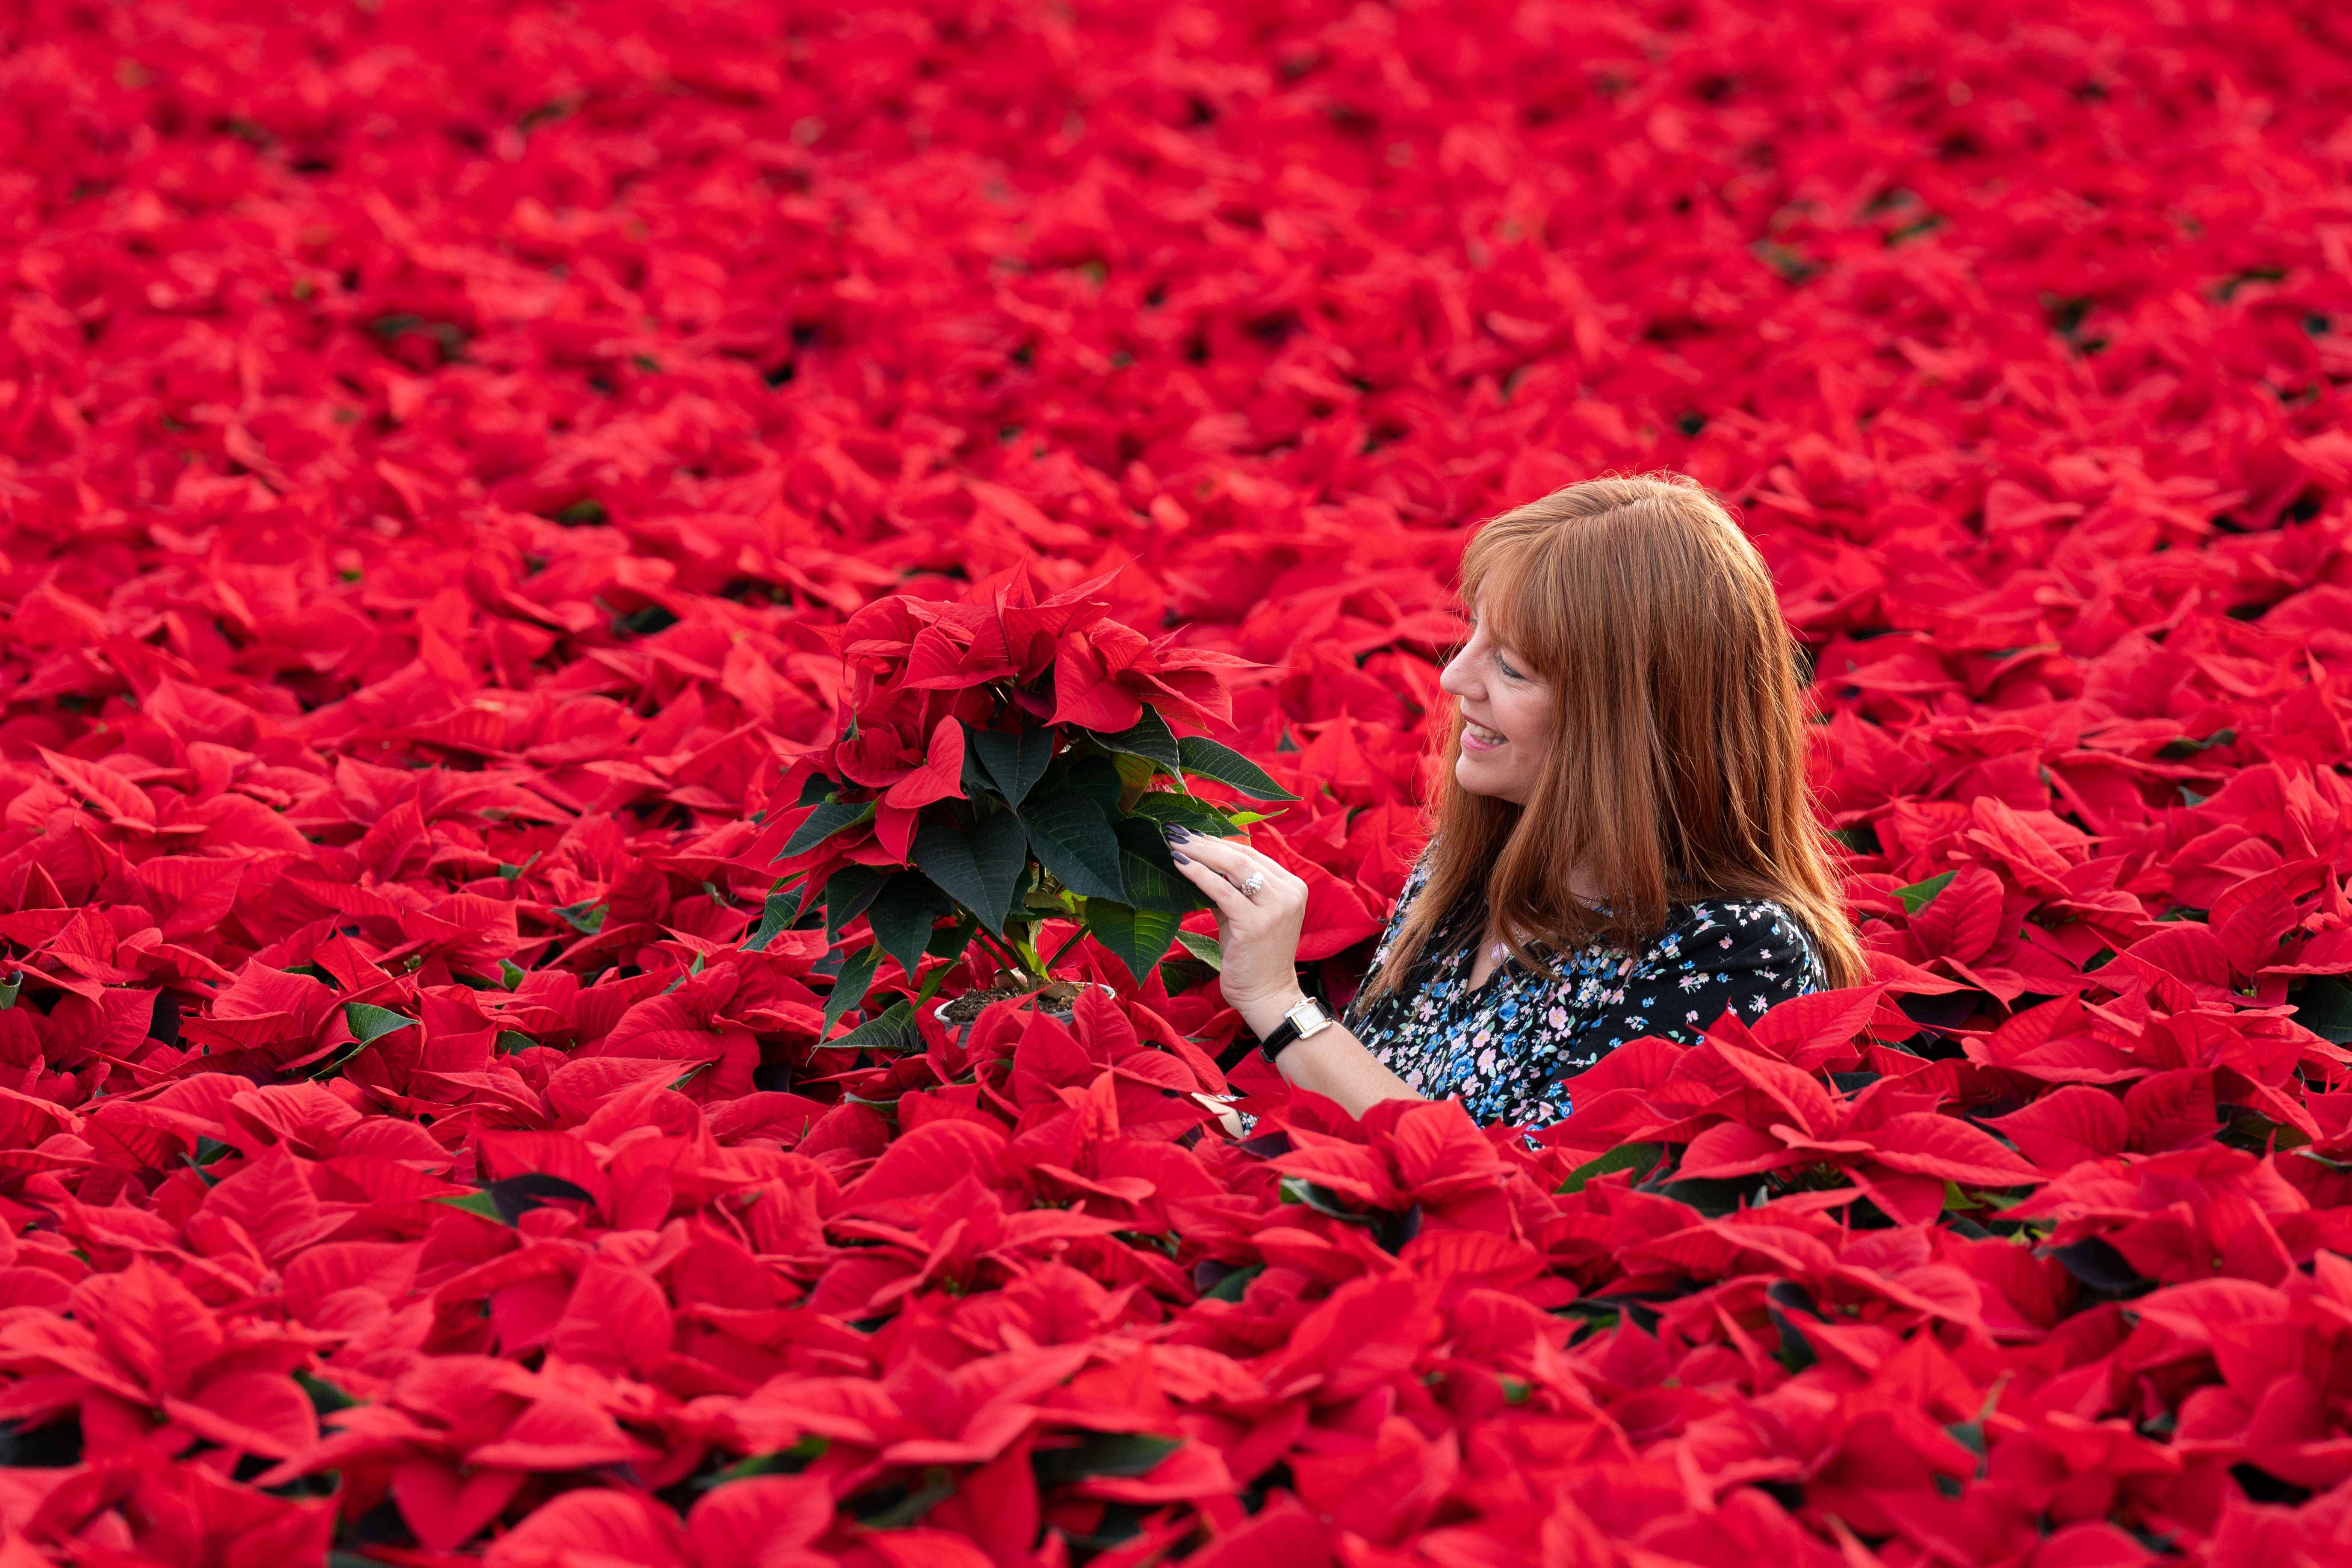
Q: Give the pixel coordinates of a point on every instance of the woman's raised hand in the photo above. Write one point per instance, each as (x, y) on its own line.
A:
(1259, 931)
(1258, 928)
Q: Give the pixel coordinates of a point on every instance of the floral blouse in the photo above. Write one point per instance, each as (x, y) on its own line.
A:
(1504, 1047)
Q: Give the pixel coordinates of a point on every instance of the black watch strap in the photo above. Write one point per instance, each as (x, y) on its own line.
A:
(1287, 1032)
(1283, 1034)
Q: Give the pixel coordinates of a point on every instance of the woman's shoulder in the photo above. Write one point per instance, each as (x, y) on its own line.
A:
(1736, 955)
(1738, 914)
(1746, 931)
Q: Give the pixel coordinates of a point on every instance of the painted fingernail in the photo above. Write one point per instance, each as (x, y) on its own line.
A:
(1180, 859)
(1178, 833)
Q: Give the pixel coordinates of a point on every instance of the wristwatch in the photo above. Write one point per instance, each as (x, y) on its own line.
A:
(1307, 1018)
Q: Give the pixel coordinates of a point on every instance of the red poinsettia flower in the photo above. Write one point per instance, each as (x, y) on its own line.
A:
(458, 535)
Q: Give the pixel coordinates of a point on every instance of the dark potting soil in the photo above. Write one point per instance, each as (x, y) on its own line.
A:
(1058, 999)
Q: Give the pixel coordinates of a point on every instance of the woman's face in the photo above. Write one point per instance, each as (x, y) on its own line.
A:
(1507, 719)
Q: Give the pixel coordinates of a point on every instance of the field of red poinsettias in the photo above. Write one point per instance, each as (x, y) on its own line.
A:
(530, 530)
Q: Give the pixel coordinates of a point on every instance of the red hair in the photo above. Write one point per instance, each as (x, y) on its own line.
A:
(1676, 769)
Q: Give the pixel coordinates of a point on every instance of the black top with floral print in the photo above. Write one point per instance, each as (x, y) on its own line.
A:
(1503, 1048)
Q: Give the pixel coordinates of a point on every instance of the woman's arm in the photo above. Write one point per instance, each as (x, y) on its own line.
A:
(1336, 1065)
(1259, 935)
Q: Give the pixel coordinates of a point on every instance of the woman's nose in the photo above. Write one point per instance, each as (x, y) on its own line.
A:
(1455, 679)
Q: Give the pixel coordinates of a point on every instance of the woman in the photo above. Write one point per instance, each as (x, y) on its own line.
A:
(1625, 843)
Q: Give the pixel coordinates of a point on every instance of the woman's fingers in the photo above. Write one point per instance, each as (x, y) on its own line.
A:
(1234, 861)
(1274, 871)
(1247, 858)
(1222, 869)
(1218, 855)
(1197, 847)
(1230, 900)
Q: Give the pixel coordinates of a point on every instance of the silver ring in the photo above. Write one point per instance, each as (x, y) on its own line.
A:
(1252, 884)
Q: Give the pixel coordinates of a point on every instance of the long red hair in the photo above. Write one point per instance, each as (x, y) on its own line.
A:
(1676, 769)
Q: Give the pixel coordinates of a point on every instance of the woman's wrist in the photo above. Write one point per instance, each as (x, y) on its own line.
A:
(1263, 1013)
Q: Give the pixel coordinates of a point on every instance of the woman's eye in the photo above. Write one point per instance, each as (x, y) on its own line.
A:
(1505, 665)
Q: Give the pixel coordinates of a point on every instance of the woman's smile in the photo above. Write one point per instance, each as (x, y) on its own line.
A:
(1476, 737)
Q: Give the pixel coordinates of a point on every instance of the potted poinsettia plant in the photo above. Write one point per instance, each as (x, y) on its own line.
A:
(1001, 762)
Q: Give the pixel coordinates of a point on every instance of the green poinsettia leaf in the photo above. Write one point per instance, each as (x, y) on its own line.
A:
(370, 1023)
(1015, 762)
(830, 817)
(849, 986)
(903, 913)
(982, 866)
(1136, 938)
(1203, 756)
(1074, 840)
(1149, 738)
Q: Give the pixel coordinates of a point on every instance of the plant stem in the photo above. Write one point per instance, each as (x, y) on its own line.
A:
(1030, 964)
(1011, 955)
(1064, 948)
